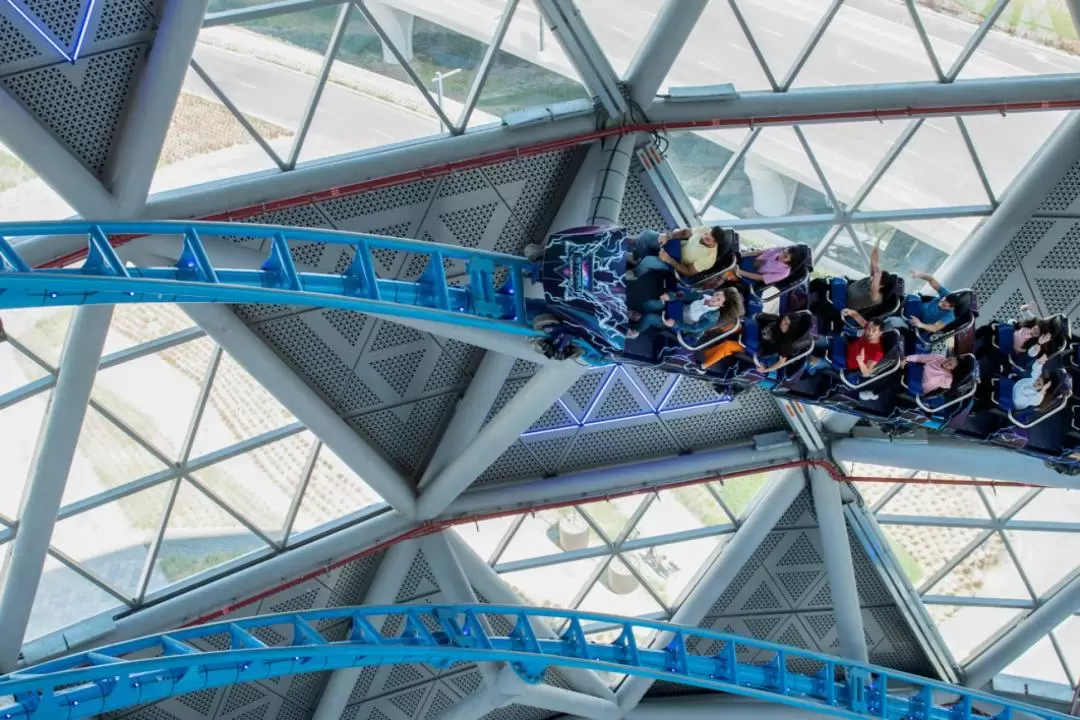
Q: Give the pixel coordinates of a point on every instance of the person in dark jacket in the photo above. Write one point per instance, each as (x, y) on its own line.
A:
(690, 312)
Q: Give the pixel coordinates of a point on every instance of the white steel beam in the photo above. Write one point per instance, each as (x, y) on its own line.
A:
(237, 339)
(661, 47)
(470, 412)
(495, 590)
(954, 457)
(384, 588)
(1029, 630)
(55, 164)
(530, 402)
(776, 500)
(152, 104)
(48, 476)
(568, 702)
(609, 187)
(838, 565)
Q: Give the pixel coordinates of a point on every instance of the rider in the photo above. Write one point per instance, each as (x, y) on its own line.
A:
(929, 315)
(694, 252)
(766, 267)
(691, 312)
(937, 370)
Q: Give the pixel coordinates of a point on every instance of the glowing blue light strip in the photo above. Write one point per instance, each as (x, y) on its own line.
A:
(81, 29)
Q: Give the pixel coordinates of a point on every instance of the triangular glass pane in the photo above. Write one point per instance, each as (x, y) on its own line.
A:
(619, 34)
(1068, 637)
(282, 56)
(618, 587)
(686, 508)
(63, 599)
(923, 551)
(1040, 662)
(206, 142)
(238, 408)
(848, 153)
(698, 157)
(949, 33)
(199, 536)
(934, 169)
(965, 629)
(1046, 557)
(717, 28)
(782, 32)
(106, 458)
(1003, 499)
(1052, 505)
(988, 572)
(1005, 144)
(135, 324)
(24, 196)
(873, 492)
(551, 585)
(19, 426)
(112, 540)
(333, 492)
(612, 516)
(895, 53)
(484, 536)
(1001, 55)
(262, 483)
(907, 245)
(738, 493)
(669, 569)
(530, 69)
(155, 395)
(936, 501)
(42, 331)
(550, 532)
(16, 369)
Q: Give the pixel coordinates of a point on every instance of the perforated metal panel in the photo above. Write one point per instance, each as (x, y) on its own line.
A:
(638, 211)
(14, 45)
(1064, 194)
(123, 18)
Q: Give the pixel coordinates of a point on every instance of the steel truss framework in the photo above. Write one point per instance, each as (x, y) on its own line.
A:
(103, 680)
(845, 212)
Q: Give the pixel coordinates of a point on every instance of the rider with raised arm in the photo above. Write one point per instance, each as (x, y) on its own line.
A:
(931, 315)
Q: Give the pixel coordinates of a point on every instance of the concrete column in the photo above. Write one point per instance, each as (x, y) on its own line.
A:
(610, 184)
(774, 193)
(398, 26)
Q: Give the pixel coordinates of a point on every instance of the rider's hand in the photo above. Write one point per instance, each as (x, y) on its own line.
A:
(664, 256)
(669, 322)
(666, 297)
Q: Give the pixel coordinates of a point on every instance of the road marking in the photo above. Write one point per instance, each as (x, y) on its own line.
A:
(858, 64)
(932, 126)
(621, 31)
(771, 31)
(740, 48)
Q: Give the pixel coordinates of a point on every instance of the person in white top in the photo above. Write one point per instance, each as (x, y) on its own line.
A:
(1034, 388)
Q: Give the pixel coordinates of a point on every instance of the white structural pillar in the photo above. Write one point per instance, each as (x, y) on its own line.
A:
(954, 457)
(838, 564)
(152, 104)
(1027, 632)
(398, 26)
(384, 588)
(237, 339)
(471, 411)
(609, 187)
(657, 53)
(1055, 158)
(773, 192)
(744, 543)
(495, 590)
(44, 490)
(530, 402)
(568, 702)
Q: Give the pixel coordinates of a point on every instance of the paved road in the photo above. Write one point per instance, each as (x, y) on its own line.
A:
(869, 41)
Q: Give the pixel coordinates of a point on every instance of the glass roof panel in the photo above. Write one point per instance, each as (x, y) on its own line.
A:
(670, 569)
(620, 27)
(848, 153)
(698, 157)
(16, 369)
(206, 142)
(1023, 42)
(40, 330)
(988, 572)
(25, 196)
(865, 45)
(1046, 557)
(484, 536)
(19, 426)
(1068, 637)
(1040, 662)
(333, 491)
(782, 29)
(63, 598)
(552, 585)
(1005, 144)
(936, 501)
(717, 36)
(199, 536)
(550, 532)
(683, 509)
(619, 587)
(1052, 505)
(261, 484)
(113, 540)
(106, 458)
(908, 245)
(530, 69)
(137, 324)
(923, 551)
(612, 516)
(1003, 500)
(237, 409)
(738, 493)
(965, 629)
(156, 394)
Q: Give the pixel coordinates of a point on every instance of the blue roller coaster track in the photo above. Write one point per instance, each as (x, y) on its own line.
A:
(153, 668)
(493, 296)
